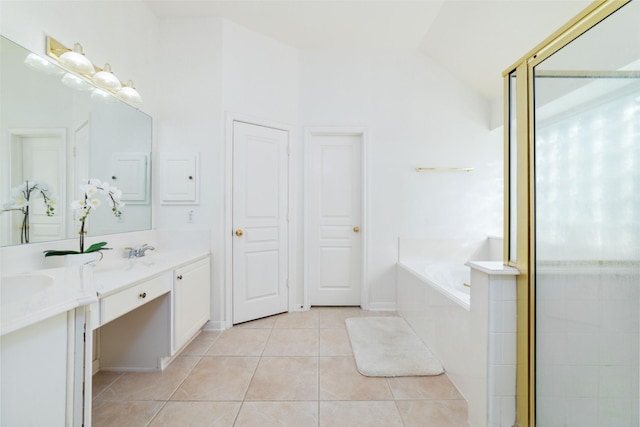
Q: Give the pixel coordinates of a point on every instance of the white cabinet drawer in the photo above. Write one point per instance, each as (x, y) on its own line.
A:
(128, 299)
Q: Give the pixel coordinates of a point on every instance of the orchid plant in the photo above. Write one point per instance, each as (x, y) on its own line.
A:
(23, 196)
(88, 202)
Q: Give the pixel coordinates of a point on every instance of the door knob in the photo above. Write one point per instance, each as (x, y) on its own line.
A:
(356, 229)
(239, 232)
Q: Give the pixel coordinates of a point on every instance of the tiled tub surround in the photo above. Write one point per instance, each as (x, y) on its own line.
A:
(587, 343)
(294, 369)
(474, 340)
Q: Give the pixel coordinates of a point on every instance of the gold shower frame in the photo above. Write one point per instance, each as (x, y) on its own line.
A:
(525, 214)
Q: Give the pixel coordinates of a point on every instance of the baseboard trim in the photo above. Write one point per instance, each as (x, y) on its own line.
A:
(382, 306)
(214, 325)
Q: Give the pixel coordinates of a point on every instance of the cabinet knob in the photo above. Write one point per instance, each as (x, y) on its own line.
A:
(190, 177)
(239, 233)
(114, 177)
(179, 277)
(356, 229)
(143, 295)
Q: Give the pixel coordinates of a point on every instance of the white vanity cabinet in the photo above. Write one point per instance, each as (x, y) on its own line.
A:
(42, 372)
(150, 311)
(191, 301)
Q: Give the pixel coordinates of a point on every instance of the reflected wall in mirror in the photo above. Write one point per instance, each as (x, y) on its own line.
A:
(55, 130)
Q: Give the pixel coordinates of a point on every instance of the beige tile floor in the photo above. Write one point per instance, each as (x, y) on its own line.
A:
(294, 369)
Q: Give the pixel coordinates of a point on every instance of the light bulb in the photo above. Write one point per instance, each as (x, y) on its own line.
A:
(129, 94)
(76, 61)
(106, 79)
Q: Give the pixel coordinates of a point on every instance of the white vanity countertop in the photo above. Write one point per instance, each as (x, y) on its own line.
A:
(120, 274)
(31, 297)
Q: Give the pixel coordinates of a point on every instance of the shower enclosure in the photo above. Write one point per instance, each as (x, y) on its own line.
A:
(581, 293)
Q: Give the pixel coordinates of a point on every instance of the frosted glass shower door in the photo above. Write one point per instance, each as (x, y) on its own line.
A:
(587, 298)
(587, 228)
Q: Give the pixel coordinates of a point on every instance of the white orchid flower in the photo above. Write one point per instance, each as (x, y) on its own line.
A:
(89, 189)
(25, 195)
(117, 193)
(78, 204)
(16, 204)
(20, 202)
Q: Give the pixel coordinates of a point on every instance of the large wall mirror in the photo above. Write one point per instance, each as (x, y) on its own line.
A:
(56, 130)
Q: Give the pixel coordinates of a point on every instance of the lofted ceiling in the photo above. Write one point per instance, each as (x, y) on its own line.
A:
(473, 39)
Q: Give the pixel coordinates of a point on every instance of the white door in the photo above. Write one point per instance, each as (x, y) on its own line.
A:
(39, 155)
(335, 216)
(260, 226)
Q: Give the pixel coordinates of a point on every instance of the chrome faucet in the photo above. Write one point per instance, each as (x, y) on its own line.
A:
(137, 253)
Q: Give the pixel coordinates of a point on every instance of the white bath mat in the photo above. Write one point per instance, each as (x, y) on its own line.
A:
(388, 347)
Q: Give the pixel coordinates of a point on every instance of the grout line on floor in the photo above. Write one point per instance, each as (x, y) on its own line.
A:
(107, 387)
(212, 343)
(200, 359)
(156, 414)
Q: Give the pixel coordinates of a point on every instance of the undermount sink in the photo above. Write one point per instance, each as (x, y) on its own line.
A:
(23, 286)
(27, 298)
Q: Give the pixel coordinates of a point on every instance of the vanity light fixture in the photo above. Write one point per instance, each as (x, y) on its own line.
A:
(106, 79)
(129, 94)
(102, 77)
(75, 60)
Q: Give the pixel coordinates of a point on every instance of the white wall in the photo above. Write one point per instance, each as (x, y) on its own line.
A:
(189, 119)
(259, 74)
(417, 114)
